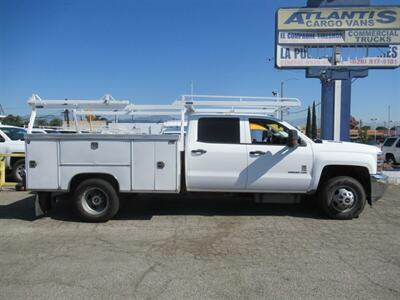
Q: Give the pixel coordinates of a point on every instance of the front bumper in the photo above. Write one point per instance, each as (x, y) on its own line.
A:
(379, 184)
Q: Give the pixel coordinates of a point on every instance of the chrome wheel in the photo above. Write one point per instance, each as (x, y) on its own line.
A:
(343, 199)
(95, 201)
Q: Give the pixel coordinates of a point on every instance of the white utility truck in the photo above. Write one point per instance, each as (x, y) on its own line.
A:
(230, 145)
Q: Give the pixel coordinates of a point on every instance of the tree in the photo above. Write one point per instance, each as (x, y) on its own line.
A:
(381, 128)
(13, 120)
(41, 122)
(56, 122)
(314, 123)
(308, 125)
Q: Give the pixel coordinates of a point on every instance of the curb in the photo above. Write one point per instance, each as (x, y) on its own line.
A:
(394, 177)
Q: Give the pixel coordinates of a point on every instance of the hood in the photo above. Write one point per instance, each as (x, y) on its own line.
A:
(16, 146)
(334, 146)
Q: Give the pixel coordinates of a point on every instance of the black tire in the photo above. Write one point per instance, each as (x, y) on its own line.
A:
(390, 159)
(96, 200)
(18, 169)
(342, 198)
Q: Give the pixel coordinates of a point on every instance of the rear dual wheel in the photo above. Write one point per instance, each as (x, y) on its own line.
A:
(96, 200)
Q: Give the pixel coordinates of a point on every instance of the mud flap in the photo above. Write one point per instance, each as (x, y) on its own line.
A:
(42, 203)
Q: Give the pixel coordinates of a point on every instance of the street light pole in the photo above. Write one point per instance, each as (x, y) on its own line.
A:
(281, 93)
(374, 120)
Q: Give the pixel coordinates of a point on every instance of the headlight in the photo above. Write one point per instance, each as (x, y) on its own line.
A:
(379, 162)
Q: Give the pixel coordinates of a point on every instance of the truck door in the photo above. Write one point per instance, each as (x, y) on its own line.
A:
(397, 151)
(272, 165)
(216, 159)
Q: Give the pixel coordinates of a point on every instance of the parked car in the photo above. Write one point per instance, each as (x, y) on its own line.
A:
(38, 130)
(391, 150)
(12, 141)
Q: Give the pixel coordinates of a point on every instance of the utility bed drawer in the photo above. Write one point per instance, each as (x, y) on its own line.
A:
(95, 152)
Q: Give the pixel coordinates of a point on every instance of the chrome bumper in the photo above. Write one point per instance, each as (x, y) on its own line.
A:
(379, 183)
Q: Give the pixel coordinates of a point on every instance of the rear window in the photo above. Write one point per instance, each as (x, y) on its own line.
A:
(219, 130)
(389, 142)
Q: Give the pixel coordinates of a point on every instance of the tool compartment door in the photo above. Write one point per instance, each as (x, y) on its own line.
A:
(41, 165)
(166, 165)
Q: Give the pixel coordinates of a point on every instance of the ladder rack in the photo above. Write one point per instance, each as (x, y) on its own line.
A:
(187, 104)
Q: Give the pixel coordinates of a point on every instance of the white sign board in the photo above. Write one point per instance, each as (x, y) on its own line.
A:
(349, 37)
(300, 57)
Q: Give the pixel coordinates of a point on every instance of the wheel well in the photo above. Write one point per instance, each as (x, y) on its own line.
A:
(14, 159)
(81, 177)
(359, 173)
(388, 155)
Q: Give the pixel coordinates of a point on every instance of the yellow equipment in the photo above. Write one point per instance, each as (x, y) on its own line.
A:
(3, 168)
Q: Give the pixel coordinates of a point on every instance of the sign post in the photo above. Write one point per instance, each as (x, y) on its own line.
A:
(337, 41)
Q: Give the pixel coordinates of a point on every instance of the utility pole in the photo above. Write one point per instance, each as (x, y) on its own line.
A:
(282, 92)
(281, 99)
(389, 121)
(191, 88)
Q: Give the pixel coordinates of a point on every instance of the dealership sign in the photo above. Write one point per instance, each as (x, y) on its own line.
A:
(333, 30)
(338, 18)
(300, 57)
(348, 37)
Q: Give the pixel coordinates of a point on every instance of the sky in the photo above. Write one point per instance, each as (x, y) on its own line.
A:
(149, 52)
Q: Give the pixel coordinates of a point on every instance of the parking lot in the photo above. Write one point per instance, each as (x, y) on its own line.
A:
(217, 248)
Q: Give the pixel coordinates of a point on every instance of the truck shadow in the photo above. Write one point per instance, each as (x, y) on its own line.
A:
(144, 207)
(22, 209)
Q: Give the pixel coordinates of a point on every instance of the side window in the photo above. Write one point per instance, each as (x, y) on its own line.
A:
(398, 144)
(389, 142)
(219, 130)
(267, 132)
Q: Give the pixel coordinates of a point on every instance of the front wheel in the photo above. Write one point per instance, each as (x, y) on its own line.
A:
(342, 198)
(96, 200)
(390, 159)
(18, 170)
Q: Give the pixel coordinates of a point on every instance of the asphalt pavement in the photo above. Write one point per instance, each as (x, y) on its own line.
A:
(203, 248)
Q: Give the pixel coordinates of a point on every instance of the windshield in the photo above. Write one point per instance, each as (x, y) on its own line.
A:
(14, 134)
(389, 142)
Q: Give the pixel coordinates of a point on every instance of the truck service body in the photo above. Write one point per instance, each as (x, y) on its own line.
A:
(221, 152)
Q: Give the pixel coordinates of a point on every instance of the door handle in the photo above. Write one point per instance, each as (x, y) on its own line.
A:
(199, 151)
(257, 152)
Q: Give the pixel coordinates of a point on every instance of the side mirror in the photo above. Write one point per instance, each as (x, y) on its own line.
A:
(293, 138)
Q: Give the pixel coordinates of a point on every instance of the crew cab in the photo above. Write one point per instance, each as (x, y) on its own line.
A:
(220, 152)
(12, 142)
